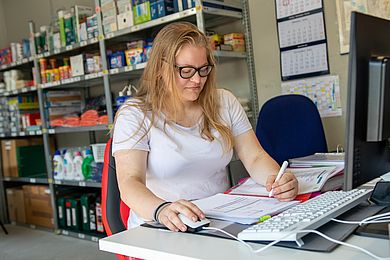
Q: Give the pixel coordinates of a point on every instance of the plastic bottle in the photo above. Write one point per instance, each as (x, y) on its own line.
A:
(122, 96)
(59, 169)
(68, 163)
(86, 166)
(77, 166)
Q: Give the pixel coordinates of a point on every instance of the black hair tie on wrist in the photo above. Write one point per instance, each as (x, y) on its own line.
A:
(158, 209)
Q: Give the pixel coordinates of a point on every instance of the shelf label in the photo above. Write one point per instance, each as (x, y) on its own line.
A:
(14, 91)
(94, 40)
(128, 68)
(82, 184)
(83, 43)
(12, 64)
(3, 66)
(69, 47)
(114, 71)
(82, 236)
(56, 51)
(33, 180)
(25, 89)
(2, 135)
(39, 56)
(22, 133)
(39, 132)
(109, 35)
(46, 54)
(31, 133)
(25, 60)
(13, 134)
(19, 62)
(94, 239)
(33, 226)
(65, 232)
(57, 182)
(52, 131)
(7, 178)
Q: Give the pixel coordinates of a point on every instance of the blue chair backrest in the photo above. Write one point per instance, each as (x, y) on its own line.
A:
(290, 126)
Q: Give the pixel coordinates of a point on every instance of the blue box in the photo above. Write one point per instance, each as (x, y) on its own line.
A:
(165, 7)
(154, 9)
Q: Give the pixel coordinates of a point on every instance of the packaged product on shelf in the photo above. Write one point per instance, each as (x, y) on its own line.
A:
(117, 60)
(153, 9)
(61, 25)
(236, 40)
(99, 216)
(77, 169)
(165, 7)
(124, 6)
(68, 165)
(81, 14)
(70, 37)
(86, 165)
(125, 20)
(141, 11)
(77, 65)
(87, 202)
(5, 56)
(134, 56)
(58, 166)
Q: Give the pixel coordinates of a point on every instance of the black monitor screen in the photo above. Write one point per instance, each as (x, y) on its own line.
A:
(368, 118)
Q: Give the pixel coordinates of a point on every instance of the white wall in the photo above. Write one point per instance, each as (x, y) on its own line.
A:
(17, 14)
(3, 28)
(266, 53)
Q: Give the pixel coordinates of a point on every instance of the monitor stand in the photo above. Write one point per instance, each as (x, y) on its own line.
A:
(378, 230)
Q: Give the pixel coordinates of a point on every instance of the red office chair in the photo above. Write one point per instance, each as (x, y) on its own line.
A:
(114, 212)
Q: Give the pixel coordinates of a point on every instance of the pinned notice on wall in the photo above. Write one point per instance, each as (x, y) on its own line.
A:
(324, 91)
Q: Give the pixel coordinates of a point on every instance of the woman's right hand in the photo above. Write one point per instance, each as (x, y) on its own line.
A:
(168, 216)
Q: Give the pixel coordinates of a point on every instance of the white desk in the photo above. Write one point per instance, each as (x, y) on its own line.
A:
(148, 243)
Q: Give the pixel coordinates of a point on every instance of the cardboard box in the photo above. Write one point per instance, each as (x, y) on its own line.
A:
(38, 206)
(9, 154)
(125, 20)
(15, 202)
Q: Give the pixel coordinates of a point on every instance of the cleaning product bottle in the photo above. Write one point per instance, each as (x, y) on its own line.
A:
(58, 169)
(77, 166)
(86, 166)
(68, 163)
(122, 97)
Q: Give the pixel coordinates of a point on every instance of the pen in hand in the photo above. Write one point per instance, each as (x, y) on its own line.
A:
(280, 174)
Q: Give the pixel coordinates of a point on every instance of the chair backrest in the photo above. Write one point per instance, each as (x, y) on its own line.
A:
(114, 212)
(290, 126)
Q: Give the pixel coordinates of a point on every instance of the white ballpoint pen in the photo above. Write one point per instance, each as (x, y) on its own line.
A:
(280, 174)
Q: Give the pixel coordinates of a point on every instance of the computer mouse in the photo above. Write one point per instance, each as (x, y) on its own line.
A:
(194, 226)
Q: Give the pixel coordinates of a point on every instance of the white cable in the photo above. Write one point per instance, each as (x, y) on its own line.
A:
(297, 232)
(375, 218)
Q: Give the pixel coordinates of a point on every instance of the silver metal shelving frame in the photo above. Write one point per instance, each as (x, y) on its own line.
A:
(202, 16)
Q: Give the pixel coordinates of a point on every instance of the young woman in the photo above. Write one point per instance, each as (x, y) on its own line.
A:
(173, 140)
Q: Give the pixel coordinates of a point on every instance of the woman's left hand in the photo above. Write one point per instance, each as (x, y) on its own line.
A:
(285, 189)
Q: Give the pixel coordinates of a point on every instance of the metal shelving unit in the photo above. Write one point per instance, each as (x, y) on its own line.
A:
(203, 16)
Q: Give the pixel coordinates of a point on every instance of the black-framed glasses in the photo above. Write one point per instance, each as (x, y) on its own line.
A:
(187, 72)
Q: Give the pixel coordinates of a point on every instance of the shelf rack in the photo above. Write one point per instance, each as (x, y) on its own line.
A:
(201, 15)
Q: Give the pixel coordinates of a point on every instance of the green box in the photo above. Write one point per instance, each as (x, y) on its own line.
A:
(61, 212)
(87, 202)
(141, 11)
(73, 214)
(31, 161)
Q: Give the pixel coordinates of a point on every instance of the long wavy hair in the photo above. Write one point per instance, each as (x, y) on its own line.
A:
(157, 92)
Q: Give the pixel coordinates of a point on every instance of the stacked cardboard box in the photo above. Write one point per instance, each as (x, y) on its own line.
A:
(15, 203)
(38, 206)
(109, 13)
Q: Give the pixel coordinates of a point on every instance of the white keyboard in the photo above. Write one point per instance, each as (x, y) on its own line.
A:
(308, 215)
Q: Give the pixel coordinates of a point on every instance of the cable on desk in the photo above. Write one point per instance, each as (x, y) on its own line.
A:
(380, 218)
(297, 232)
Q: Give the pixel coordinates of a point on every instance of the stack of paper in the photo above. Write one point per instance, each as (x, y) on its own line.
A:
(309, 180)
(318, 159)
(241, 209)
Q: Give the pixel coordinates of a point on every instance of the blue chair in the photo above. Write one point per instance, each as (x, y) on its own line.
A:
(290, 126)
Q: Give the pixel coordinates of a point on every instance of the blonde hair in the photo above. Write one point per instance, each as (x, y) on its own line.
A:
(157, 92)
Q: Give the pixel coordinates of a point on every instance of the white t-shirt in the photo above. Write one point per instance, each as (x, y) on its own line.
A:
(181, 164)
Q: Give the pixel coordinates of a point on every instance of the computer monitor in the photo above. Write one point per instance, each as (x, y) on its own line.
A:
(367, 153)
(368, 102)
